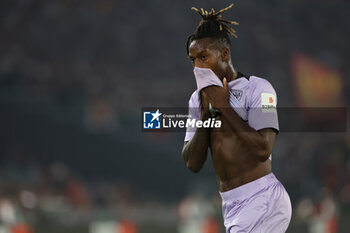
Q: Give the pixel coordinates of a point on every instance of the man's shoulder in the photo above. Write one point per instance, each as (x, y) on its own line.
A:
(255, 80)
(259, 84)
(194, 95)
(193, 101)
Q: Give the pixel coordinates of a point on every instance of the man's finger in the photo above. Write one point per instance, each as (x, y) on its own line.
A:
(225, 84)
(204, 99)
(204, 95)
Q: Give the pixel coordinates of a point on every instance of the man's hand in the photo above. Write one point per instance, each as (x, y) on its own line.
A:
(205, 114)
(217, 96)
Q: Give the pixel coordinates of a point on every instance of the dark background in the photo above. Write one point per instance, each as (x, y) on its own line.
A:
(75, 74)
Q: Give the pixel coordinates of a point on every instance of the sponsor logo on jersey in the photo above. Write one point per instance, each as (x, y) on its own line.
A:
(268, 102)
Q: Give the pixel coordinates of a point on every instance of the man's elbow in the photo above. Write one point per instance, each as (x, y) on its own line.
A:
(264, 156)
(189, 164)
(264, 153)
(193, 167)
(265, 147)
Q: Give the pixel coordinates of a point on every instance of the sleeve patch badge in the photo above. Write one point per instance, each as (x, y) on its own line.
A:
(268, 101)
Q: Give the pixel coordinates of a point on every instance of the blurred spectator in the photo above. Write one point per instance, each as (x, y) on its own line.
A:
(197, 215)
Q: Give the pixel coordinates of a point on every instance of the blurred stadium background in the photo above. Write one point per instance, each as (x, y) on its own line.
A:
(74, 75)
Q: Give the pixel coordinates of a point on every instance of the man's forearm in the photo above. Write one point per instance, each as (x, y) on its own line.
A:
(195, 151)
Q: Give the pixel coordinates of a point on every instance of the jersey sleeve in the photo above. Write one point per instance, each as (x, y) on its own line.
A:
(193, 112)
(262, 111)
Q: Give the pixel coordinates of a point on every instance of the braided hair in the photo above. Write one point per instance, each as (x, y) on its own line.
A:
(212, 25)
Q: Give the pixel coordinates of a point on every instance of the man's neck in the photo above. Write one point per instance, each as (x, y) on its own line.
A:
(231, 74)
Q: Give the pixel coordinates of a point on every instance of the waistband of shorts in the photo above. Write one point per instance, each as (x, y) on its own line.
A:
(248, 189)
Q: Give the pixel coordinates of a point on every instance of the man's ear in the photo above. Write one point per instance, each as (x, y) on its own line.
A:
(225, 54)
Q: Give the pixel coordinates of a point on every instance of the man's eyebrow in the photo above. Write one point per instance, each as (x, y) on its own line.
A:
(199, 53)
(203, 51)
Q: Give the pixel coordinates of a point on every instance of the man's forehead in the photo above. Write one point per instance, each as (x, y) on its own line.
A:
(202, 44)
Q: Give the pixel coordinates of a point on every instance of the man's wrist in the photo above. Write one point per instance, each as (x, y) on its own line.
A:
(206, 115)
(224, 107)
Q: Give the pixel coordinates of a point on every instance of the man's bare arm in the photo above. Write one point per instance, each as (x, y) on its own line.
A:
(194, 152)
(260, 143)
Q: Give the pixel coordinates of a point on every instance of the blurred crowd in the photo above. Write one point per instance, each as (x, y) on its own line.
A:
(75, 74)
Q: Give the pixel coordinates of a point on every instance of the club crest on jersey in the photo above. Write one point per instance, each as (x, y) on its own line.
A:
(238, 94)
